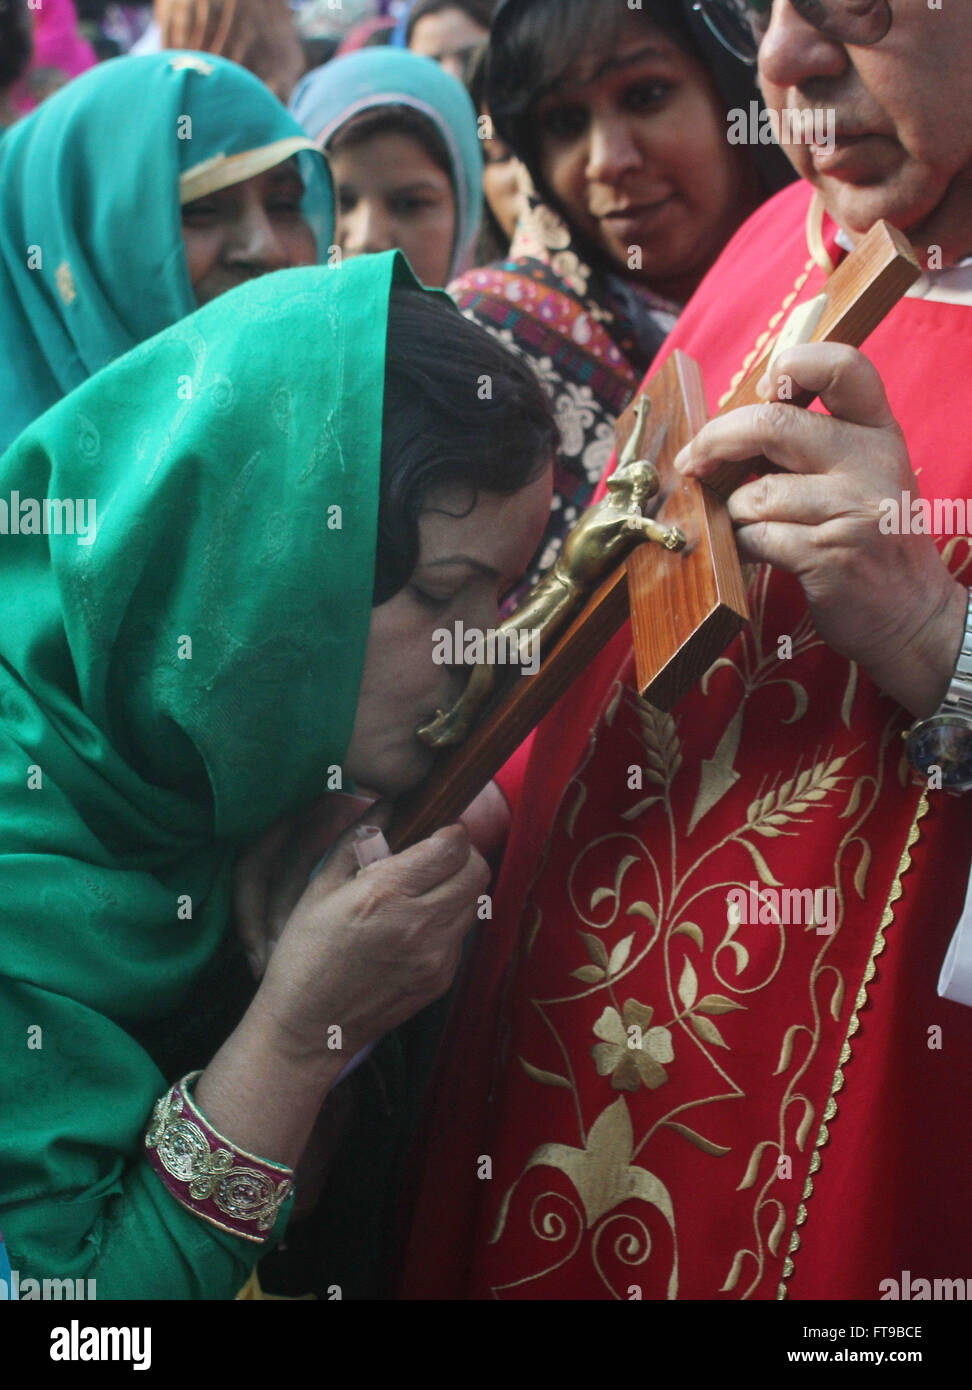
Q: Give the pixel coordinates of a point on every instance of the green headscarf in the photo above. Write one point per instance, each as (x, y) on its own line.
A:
(132, 765)
(91, 251)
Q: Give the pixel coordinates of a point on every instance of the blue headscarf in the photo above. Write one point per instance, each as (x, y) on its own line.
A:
(330, 96)
(400, 36)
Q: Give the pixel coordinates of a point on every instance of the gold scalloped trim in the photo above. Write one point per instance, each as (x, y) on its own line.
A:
(819, 258)
(830, 1110)
(223, 171)
(769, 334)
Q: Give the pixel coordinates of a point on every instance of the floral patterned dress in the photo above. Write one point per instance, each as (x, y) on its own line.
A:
(589, 336)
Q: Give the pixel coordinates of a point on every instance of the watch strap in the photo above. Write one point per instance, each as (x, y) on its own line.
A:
(958, 700)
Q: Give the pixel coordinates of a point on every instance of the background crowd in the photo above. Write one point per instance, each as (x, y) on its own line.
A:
(421, 163)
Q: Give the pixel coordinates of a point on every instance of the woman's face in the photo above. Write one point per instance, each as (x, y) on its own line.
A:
(391, 193)
(466, 565)
(634, 147)
(245, 230)
(448, 38)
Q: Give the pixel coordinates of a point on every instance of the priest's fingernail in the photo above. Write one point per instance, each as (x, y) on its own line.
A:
(764, 387)
(682, 459)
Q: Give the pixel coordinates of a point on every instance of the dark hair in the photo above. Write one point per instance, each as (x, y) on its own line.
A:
(479, 11)
(396, 120)
(438, 431)
(535, 43)
(16, 44)
(475, 76)
(493, 243)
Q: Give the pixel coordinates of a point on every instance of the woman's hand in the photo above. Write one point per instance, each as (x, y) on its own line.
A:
(364, 950)
(270, 877)
(885, 601)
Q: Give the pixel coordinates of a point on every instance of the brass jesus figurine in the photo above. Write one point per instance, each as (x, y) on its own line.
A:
(604, 533)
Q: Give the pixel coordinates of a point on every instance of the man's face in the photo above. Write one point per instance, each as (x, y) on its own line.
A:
(903, 120)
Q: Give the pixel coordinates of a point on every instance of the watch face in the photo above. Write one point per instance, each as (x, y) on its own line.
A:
(945, 742)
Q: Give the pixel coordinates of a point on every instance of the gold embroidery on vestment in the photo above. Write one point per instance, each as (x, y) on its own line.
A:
(767, 338)
(887, 920)
(598, 1165)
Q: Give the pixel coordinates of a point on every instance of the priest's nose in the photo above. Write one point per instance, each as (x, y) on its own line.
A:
(793, 52)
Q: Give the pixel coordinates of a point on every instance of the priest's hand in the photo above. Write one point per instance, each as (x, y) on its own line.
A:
(886, 601)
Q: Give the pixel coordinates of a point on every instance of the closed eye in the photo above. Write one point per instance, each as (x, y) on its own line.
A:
(434, 602)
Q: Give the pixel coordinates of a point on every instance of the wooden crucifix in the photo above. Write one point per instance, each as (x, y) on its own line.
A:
(682, 584)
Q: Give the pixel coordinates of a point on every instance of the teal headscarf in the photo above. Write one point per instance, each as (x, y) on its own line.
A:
(91, 252)
(330, 96)
(168, 691)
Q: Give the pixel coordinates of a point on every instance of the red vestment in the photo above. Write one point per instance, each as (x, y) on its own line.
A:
(642, 1091)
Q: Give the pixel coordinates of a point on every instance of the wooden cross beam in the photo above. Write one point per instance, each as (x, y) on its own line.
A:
(685, 607)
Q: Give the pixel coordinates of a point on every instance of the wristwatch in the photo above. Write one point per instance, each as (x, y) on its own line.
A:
(943, 743)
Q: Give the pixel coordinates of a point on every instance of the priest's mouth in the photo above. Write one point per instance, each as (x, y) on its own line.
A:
(854, 158)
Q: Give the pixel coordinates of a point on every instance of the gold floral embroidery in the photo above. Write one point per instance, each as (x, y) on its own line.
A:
(764, 339)
(631, 1052)
(779, 809)
(601, 1168)
(603, 1176)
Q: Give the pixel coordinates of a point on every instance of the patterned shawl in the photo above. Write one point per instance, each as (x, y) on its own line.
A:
(590, 336)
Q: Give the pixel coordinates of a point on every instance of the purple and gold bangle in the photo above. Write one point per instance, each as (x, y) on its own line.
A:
(208, 1174)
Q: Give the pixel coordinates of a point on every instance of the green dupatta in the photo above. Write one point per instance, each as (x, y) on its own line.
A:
(91, 254)
(131, 772)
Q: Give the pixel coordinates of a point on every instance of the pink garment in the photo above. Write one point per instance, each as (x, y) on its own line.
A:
(362, 32)
(58, 49)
